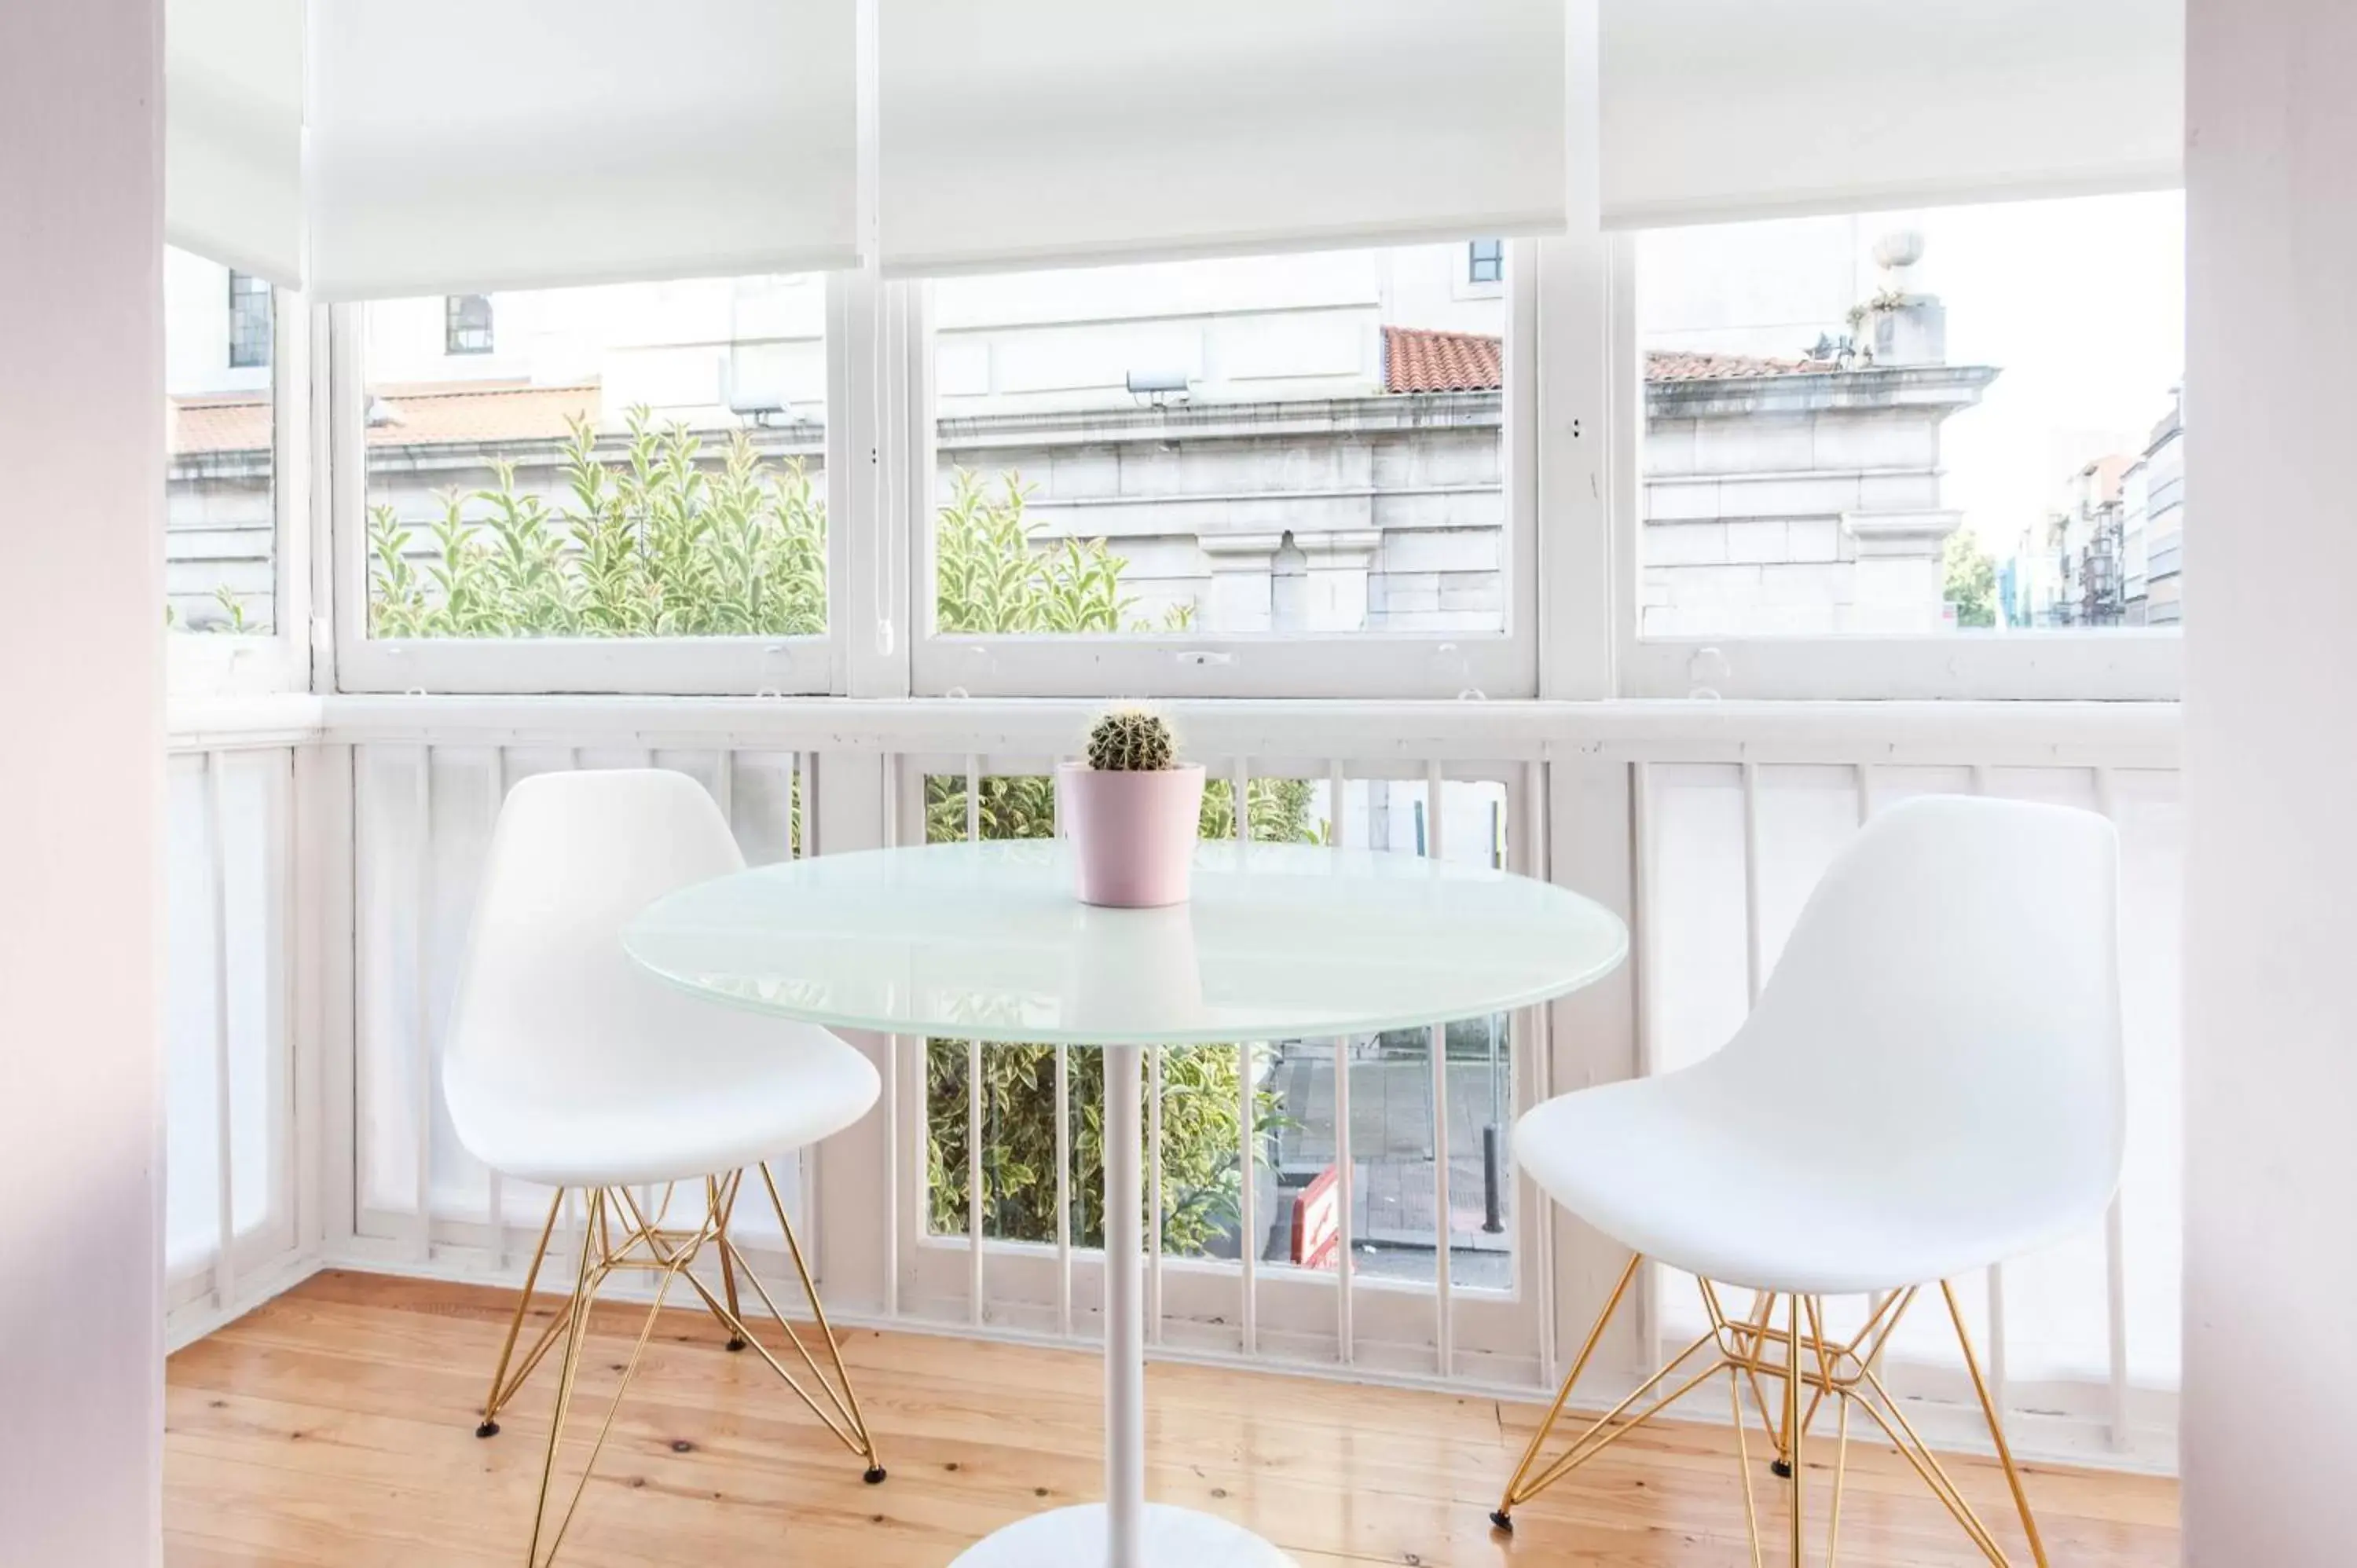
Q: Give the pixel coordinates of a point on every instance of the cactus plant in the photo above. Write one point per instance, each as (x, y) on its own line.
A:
(1127, 740)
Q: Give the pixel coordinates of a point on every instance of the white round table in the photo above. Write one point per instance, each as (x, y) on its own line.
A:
(987, 941)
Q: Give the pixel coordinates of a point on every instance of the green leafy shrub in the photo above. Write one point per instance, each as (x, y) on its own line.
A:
(1202, 1085)
(661, 540)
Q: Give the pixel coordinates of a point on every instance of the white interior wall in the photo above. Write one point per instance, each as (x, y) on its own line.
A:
(81, 783)
(2271, 1264)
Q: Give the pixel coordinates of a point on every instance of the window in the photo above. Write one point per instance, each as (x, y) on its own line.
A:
(249, 321)
(220, 528)
(1956, 423)
(1485, 261)
(467, 324)
(1240, 451)
(646, 461)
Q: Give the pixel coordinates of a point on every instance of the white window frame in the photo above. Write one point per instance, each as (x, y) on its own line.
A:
(2119, 663)
(1352, 664)
(686, 666)
(208, 664)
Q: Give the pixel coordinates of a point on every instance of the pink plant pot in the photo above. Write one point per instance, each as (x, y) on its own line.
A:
(1132, 834)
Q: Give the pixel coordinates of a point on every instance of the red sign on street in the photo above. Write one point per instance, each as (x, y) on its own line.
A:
(1317, 1222)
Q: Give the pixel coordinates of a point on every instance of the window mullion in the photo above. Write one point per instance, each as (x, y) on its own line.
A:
(874, 352)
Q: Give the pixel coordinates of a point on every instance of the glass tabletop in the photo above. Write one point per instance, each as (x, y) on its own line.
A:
(987, 941)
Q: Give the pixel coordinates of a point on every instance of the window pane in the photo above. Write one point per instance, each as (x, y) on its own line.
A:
(629, 460)
(1279, 445)
(221, 531)
(249, 321)
(1964, 420)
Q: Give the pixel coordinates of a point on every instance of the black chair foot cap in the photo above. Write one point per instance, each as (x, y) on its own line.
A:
(1501, 1520)
(488, 1429)
(1783, 1469)
(735, 1343)
(874, 1476)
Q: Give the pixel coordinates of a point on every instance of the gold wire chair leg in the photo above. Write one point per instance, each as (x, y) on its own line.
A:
(1996, 1427)
(1840, 1468)
(1827, 1387)
(1503, 1515)
(499, 1393)
(1589, 1444)
(1748, 1335)
(721, 1195)
(1793, 1426)
(577, 1328)
(1743, 1460)
(827, 1331)
(845, 1422)
(671, 1271)
(1927, 1467)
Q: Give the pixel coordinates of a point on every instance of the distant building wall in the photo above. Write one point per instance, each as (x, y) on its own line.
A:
(1783, 501)
(2163, 463)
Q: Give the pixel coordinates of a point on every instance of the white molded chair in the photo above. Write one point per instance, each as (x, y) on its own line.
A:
(1931, 1083)
(569, 1065)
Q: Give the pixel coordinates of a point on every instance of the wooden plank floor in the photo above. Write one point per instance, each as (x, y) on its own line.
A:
(336, 1427)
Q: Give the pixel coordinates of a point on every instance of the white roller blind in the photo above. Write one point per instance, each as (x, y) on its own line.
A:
(233, 134)
(1040, 132)
(1726, 109)
(464, 145)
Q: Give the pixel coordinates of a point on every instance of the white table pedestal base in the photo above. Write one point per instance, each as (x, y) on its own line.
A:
(1125, 1530)
(1075, 1537)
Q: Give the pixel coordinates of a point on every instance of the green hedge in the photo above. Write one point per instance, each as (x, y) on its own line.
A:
(670, 539)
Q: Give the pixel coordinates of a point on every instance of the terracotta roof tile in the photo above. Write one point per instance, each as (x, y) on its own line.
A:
(1680, 365)
(232, 422)
(441, 414)
(1419, 361)
(475, 413)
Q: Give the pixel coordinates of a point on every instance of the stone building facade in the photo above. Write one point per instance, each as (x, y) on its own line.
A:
(1795, 495)
(1273, 444)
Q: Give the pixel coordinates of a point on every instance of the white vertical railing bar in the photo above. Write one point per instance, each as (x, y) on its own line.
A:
(1154, 1203)
(1862, 784)
(803, 842)
(1064, 1191)
(304, 1100)
(1527, 836)
(1644, 953)
(1752, 964)
(895, 1048)
(1248, 1237)
(495, 1195)
(974, 1087)
(224, 1112)
(810, 1171)
(1996, 1271)
(647, 1190)
(423, 893)
(1064, 1131)
(1338, 817)
(2115, 1262)
(1444, 1304)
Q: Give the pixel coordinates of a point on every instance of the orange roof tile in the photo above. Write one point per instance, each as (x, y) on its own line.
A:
(1681, 365)
(1417, 359)
(229, 422)
(460, 413)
